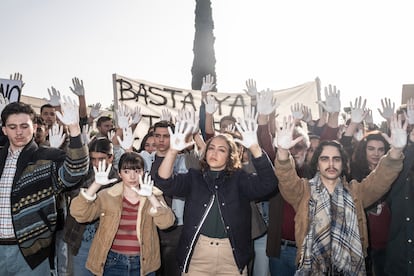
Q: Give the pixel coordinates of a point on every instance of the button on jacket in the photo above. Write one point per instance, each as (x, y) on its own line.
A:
(234, 193)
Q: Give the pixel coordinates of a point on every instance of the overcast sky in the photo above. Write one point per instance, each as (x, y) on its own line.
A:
(363, 47)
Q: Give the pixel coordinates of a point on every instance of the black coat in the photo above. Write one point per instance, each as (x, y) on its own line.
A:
(400, 246)
(234, 193)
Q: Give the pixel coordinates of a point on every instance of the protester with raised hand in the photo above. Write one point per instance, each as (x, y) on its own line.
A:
(48, 110)
(358, 114)
(297, 112)
(211, 106)
(208, 85)
(400, 248)
(127, 140)
(79, 90)
(56, 136)
(332, 106)
(86, 134)
(388, 109)
(38, 173)
(331, 228)
(79, 236)
(192, 154)
(17, 76)
(126, 242)
(94, 113)
(217, 201)
(123, 116)
(251, 90)
(169, 237)
(281, 244)
(165, 115)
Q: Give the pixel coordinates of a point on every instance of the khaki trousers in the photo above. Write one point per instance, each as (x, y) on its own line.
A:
(213, 257)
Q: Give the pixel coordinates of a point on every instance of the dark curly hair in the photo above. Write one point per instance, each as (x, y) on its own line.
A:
(233, 161)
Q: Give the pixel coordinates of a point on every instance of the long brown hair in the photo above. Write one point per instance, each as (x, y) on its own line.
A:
(233, 160)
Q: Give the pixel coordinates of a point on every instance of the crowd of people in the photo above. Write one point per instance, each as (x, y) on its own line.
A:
(266, 194)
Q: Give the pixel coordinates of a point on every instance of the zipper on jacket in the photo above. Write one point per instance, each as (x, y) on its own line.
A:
(203, 218)
(221, 215)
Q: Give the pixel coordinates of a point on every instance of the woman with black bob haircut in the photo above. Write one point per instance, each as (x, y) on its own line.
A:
(126, 242)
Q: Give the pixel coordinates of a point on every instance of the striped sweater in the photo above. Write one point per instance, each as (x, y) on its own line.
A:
(42, 173)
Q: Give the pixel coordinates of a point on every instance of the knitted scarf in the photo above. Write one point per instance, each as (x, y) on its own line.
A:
(333, 242)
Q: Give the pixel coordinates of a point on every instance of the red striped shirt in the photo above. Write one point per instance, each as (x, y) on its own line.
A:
(126, 241)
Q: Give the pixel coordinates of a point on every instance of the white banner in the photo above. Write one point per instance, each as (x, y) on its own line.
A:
(153, 98)
(11, 89)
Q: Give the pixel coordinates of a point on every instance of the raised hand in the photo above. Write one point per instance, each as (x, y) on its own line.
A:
(78, 88)
(266, 103)
(284, 134)
(102, 173)
(369, 119)
(208, 84)
(86, 134)
(178, 138)
(398, 138)
(145, 185)
(387, 109)
(358, 111)
(54, 96)
(96, 111)
(251, 88)
(409, 114)
(248, 130)
(297, 111)
(165, 115)
(136, 116)
(69, 114)
(332, 100)
(210, 104)
(111, 135)
(56, 136)
(250, 115)
(128, 138)
(17, 76)
(190, 118)
(307, 114)
(123, 117)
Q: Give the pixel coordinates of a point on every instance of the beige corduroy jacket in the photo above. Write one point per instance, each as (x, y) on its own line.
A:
(108, 208)
(296, 191)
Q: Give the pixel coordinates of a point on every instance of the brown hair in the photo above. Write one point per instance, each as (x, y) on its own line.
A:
(233, 160)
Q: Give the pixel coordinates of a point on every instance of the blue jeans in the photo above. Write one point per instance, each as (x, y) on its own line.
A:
(12, 262)
(261, 261)
(79, 260)
(122, 265)
(284, 265)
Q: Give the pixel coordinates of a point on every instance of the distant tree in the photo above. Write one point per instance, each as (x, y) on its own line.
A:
(204, 61)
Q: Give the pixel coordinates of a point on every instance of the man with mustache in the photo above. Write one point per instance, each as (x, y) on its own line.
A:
(330, 223)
